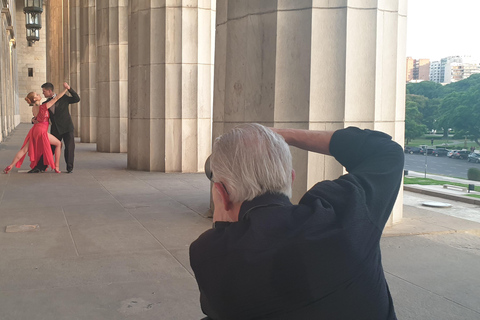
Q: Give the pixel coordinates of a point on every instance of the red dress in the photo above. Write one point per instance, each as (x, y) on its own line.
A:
(39, 144)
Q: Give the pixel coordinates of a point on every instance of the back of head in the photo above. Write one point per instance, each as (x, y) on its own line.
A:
(30, 98)
(252, 160)
(47, 86)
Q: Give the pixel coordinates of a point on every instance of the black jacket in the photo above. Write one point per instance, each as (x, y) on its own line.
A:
(319, 259)
(61, 119)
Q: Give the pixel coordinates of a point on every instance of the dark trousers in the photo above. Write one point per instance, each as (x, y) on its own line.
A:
(69, 143)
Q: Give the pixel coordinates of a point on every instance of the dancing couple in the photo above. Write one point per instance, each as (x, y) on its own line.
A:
(39, 143)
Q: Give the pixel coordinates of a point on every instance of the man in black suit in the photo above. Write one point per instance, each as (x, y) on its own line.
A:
(62, 125)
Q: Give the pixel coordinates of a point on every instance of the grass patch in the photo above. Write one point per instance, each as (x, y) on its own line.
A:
(473, 195)
(450, 143)
(429, 182)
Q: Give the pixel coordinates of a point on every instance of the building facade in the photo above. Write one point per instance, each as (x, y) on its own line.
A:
(149, 85)
(454, 68)
(9, 111)
(436, 73)
(462, 70)
(418, 69)
(32, 62)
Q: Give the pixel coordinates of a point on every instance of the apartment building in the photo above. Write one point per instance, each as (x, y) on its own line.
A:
(437, 72)
(418, 69)
(453, 69)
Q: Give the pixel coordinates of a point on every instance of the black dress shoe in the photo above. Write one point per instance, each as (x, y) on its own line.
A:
(69, 171)
(34, 170)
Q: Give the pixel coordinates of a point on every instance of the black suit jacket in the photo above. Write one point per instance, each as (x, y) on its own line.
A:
(61, 119)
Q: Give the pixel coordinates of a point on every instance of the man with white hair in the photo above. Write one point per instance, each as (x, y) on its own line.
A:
(266, 258)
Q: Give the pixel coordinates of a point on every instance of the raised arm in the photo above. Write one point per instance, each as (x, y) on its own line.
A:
(74, 98)
(374, 163)
(58, 96)
(315, 141)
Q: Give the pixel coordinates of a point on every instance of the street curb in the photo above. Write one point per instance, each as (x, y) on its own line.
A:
(429, 233)
(417, 189)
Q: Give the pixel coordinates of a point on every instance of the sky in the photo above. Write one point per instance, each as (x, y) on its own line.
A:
(441, 28)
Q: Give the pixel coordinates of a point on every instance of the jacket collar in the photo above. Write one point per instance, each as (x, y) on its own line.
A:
(264, 200)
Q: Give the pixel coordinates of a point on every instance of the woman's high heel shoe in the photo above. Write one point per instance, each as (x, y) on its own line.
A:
(57, 170)
(7, 169)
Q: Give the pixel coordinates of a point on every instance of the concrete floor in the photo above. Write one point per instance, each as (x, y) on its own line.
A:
(113, 244)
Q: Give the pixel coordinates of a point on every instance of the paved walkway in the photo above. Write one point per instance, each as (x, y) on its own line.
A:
(113, 244)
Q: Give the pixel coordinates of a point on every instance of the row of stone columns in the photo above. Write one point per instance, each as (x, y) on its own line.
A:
(170, 81)
(144, 72)
(305, 64)
(312, 65)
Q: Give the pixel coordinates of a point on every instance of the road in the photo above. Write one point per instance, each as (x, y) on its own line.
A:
(439, 165)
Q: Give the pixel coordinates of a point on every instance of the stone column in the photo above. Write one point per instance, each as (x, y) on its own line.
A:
(66, 41)
(88, 58)
(305, 64)
(169, 84)
(9, 110)
(4, 77)
(55, 43)
(75, 61)
(112, 75)
(8, 88)
(3, 132)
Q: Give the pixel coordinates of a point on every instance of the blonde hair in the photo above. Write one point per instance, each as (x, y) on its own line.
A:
(29, 98)
(252, 160)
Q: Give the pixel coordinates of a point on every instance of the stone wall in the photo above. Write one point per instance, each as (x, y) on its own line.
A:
(29, 57)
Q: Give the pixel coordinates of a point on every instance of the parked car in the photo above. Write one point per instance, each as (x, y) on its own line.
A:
(428, 150)
(462, 154)
(450, 153)
(474, 157)
(412, 150)
(440, 152)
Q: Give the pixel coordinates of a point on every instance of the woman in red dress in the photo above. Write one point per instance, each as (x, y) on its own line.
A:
(38, 140)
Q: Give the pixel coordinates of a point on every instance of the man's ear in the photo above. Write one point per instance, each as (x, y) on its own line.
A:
(226, 203)
(293, 175)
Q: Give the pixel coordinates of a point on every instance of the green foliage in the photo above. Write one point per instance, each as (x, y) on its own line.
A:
(473, 174)
(427, 89)
(456, 106)
(427, 108)
(471, 82)
(450, 143)
(413, 118)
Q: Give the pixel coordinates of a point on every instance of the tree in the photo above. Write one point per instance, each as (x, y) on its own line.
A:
(413, 126)
(462, 112)
(465, 85)
(466, 117)
(456, 105)
(428, 108)
(427, 89)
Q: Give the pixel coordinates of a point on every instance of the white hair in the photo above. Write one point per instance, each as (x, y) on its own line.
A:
(252, 160)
